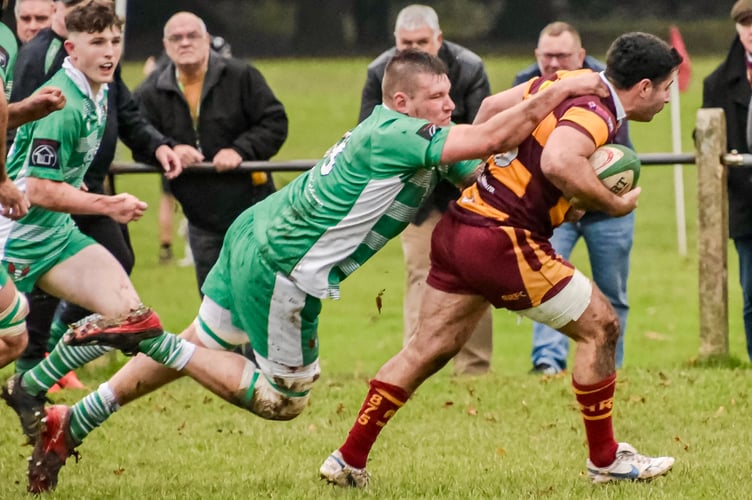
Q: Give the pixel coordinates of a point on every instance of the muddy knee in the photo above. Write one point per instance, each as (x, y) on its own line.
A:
(275, 396)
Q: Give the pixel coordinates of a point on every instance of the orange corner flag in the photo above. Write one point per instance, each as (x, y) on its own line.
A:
(685, 68)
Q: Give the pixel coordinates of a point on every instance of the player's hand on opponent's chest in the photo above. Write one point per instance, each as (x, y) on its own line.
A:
(125, 207)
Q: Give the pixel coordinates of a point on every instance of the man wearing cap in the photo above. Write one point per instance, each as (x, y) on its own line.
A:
(729, 87)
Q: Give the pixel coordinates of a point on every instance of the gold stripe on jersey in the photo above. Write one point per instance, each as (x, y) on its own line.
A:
(589, 122)
(472, 200)
(518, 177)
(558, 212)
(538, 282)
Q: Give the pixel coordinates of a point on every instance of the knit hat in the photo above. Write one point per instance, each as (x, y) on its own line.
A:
(741, 9)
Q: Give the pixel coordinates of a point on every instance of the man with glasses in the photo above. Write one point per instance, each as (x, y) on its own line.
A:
(608, 239)
(218, 110)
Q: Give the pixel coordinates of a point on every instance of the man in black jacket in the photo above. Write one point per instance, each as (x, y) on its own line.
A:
(728, 87)
(219, 110)
(37, 61)
(417, 27)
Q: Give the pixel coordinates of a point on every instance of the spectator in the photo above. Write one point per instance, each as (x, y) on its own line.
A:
(37, 62)
(167, 203)
(608, 239)
(32, 16)
(417, 27)
(240, 119)
(728, 87)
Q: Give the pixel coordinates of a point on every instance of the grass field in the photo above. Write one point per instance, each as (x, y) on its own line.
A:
(505, 435)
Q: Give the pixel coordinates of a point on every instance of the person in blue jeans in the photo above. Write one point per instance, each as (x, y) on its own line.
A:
(608, 239)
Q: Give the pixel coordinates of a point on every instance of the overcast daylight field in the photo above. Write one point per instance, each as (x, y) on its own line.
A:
(504, 435)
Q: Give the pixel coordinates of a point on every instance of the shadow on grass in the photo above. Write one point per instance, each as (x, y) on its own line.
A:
(719, 361)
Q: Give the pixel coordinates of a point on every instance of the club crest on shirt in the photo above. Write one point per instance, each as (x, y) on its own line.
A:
(44, 153)
(505, 159)
(18, 272)
(4, 59)
(428, 130)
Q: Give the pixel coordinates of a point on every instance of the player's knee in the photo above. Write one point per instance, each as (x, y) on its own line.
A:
(13, 318)
(279, 398)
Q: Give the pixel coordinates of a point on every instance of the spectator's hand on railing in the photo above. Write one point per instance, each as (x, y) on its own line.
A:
(188, 154)
(226, 159)
(169, 160)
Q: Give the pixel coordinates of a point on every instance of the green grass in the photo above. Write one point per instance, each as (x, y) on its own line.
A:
(505, 435)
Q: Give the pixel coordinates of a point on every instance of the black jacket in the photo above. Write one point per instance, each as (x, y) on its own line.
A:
(469, 87)
(237, 110)
(124, 119)
(727, 87)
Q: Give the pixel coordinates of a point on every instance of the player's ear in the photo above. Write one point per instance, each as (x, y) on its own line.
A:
(399, 102)
(69, 45)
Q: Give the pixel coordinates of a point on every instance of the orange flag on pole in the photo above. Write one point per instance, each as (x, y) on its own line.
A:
(685, 68)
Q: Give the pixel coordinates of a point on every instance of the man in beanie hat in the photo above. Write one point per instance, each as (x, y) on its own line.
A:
(729, 87)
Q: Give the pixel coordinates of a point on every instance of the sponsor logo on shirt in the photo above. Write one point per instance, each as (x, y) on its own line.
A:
(44, 153)
(428, 130)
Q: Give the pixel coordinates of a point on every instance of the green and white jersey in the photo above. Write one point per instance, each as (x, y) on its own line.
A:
(8, 53)
(330, 220)
(59, 147)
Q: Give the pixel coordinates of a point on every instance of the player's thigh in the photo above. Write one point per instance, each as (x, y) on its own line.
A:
(93, 279)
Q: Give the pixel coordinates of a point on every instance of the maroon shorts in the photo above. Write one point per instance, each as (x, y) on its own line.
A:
(508, 266)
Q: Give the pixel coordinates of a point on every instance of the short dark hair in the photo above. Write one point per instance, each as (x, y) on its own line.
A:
(635, 56)
(404, 65)
(93, 16)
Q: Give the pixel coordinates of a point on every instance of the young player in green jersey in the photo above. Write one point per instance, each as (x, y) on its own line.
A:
(48, 160)
(285, 254)
(13, 306)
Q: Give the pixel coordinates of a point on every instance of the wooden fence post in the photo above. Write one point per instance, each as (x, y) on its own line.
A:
(712, 206)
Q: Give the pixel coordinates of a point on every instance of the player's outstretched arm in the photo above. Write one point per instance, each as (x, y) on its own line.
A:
(62, 197)
(507, 129)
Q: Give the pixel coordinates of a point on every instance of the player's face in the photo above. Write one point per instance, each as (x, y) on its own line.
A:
(96, 54)
(744, 29)
(33, 15)
(562, 52)
(424, 39)
(186, 41)
(431, 100)
(653, 97)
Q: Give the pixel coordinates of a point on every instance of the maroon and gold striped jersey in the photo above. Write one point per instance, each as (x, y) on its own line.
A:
(513, 191)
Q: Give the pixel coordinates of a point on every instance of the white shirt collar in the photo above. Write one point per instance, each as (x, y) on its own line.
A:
(79, 79)
(620, 113)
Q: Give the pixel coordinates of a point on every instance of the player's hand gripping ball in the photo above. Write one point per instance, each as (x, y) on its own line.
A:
(617, 166)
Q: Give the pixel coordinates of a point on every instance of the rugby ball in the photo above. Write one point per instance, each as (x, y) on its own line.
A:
(617, 166)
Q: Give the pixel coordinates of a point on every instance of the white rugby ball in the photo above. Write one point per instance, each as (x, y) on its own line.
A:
(617, 166)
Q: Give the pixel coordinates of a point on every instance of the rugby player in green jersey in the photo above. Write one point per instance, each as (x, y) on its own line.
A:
(14, 203)
(48, 160)
(282, 256)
